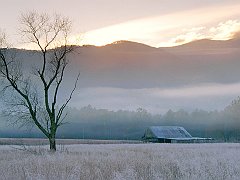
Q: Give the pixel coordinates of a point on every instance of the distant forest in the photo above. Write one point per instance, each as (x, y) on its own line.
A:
(92, 123)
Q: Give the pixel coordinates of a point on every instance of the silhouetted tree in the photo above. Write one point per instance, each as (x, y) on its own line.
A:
(34, 96)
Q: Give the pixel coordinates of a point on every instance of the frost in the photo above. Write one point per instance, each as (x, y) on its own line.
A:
(122, 161)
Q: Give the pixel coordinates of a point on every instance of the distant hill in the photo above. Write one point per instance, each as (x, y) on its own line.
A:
(128, 46)
(134, 65)
(128, 64)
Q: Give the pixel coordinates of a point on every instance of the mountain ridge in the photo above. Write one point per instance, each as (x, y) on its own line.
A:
(126, 44)
(134, 65)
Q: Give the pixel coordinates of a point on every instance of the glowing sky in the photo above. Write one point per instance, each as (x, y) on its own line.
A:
(153, 22)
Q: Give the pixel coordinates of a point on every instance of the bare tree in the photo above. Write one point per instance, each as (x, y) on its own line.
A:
(30, 102)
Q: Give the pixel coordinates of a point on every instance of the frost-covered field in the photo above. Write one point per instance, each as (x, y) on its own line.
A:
(123, 161)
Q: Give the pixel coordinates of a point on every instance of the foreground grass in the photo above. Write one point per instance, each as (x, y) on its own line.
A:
(124, 161)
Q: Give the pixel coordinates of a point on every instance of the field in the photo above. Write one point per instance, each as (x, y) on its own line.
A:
(121, 161)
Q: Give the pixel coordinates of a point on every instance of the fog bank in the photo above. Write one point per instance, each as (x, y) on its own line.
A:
(159, 100)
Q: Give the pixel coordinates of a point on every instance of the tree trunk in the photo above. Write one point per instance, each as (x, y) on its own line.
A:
(52, 142)
(53, 130)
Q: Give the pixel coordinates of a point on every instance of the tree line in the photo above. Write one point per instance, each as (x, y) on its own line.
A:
(91, 123)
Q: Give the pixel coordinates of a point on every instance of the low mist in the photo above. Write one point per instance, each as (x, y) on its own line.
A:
(208, 97)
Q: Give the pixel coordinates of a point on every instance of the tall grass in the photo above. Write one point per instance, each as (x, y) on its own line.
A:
(124, 161)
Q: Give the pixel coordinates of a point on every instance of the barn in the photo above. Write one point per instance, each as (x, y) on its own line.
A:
(170, 134)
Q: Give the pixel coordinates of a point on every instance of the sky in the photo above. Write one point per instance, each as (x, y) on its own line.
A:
(154, 22)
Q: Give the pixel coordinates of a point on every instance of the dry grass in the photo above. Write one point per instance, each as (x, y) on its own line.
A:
(123, 161)
(41, 141)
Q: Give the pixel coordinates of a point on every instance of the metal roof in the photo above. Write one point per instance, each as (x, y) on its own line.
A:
(169, 132)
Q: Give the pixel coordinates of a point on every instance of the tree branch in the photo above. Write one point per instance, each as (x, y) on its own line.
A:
(67, 101)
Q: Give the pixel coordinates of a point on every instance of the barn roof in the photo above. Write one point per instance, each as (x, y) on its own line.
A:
(169, 132)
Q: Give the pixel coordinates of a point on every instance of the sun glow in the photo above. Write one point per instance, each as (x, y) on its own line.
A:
(217, 23)
(169, 30)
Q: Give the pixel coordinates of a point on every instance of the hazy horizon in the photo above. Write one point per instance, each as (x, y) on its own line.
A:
(198, 70)
(129, 75)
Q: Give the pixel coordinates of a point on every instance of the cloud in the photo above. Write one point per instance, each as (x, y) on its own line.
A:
(236, 35)
(166, 29)
(162, 28)
(223, 31)
(187, 36)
